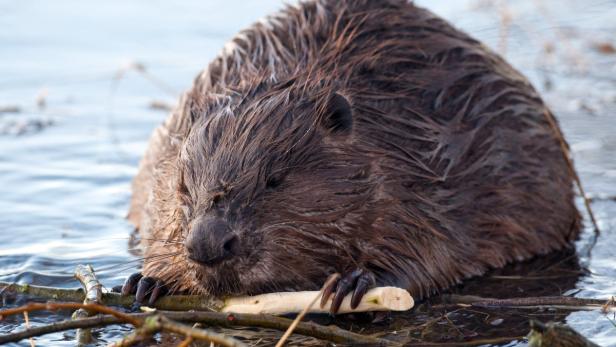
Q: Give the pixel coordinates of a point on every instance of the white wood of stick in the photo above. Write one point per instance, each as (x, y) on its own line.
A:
(376, 299)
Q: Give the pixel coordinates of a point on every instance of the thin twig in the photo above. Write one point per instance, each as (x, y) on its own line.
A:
(51, 306)
(602, 198)
(92, 322)
(228, 320)
(168, 325)
(158, 322)
(505, 23)
(476, 342)
(141, 69)
(146, 326)
(610, 303)
(186, 342)
(28, 327)
(138, 335)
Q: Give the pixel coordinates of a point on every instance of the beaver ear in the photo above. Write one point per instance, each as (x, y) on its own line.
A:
(338, 117)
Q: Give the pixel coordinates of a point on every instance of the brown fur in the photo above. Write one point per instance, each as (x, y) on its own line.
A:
(450, 168)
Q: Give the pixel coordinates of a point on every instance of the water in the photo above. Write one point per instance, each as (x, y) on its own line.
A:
(66, 160)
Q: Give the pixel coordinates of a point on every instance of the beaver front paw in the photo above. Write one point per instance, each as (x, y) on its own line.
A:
(143, 287)
(357, 281)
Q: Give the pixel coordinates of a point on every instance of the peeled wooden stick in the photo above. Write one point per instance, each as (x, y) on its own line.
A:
(376, 299)
(307, 308)
(93, 288)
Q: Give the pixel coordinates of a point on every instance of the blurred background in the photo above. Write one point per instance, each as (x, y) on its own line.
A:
(83, 84)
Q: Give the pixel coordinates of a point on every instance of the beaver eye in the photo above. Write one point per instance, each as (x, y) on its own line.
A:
(216, 199)
(273, 182)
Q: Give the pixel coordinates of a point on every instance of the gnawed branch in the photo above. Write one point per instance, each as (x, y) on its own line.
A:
(93, 295)
(376, 299)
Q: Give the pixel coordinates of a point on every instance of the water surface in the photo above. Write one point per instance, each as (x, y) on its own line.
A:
(67, 158)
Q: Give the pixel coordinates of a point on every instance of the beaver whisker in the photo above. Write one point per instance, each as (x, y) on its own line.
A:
(173, 279)
(114, 267)
(143, 247)
(125, 265)
(162, 240)
(159, 255)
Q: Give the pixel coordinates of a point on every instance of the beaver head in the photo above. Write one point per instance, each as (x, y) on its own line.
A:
(272, 190)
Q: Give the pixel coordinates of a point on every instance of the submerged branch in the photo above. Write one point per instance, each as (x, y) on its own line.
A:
(555, 334)
(529, 302)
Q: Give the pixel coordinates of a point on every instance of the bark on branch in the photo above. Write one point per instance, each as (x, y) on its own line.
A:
(228, 320)
(93, 295)
(562, 302)
(157, 323)
(173, 303)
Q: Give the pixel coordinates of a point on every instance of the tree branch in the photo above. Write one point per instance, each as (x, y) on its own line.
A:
(93, 295)
(531, 302)
(52, 306)
(228, 320)
(173, 303)
(92, 322)
(158, 322)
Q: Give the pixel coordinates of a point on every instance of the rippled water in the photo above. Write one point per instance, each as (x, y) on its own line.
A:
(67, 158)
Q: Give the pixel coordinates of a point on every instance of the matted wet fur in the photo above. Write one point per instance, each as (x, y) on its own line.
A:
(354, 134)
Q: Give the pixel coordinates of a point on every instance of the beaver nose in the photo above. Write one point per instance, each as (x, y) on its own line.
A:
(209, 242)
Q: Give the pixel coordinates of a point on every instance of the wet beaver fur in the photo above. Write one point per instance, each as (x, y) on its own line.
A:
(360, 137)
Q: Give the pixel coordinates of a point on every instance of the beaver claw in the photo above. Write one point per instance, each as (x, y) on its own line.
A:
(357, 281)
(144, 287)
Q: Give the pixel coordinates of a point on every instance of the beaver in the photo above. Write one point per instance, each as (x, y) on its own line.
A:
(367, 139)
